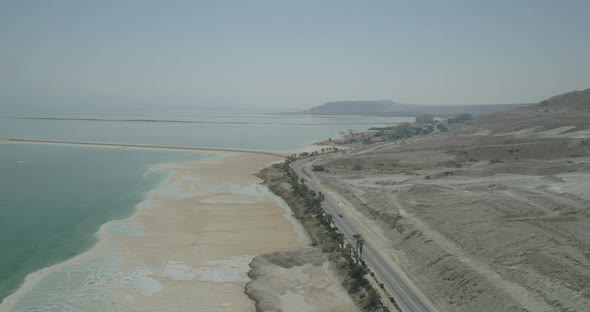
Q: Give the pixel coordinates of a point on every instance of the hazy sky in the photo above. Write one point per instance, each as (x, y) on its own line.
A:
(288, 54)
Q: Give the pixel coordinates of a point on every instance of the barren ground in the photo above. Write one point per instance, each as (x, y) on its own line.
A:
(494, 217)
(302, 280)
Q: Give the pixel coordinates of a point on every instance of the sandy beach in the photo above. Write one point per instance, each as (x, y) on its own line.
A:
(187, 248)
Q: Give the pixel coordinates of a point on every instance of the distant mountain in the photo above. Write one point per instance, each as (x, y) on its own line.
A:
(359, 107)
(391, 108)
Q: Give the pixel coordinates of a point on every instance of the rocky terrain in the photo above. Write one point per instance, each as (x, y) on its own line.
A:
(492, 216)
(302, 280)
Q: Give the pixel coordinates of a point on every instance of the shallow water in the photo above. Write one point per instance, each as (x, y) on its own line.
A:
(54, 198)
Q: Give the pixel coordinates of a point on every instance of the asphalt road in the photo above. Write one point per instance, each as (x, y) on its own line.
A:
(406, 294)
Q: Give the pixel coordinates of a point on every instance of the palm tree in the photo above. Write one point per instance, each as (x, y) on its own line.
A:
(339, 238)
(359, 246)
(361, 242)
(328, 220)
(321, 196)
(312, 194)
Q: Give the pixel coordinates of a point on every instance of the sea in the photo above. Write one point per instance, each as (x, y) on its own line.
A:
(54, 198)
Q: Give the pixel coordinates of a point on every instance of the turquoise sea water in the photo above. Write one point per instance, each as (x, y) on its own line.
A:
(54, 198)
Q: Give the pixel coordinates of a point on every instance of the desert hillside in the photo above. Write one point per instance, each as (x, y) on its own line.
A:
(491, 216)
(563, 114)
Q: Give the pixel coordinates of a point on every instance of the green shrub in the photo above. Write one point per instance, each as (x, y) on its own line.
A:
(318, 168)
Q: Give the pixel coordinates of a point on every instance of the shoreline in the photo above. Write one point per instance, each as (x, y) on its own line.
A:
(33, 278)
(165, 147)
(246, 162)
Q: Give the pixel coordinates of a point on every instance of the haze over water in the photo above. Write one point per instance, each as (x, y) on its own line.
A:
(91, 71)
(228, 130)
